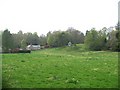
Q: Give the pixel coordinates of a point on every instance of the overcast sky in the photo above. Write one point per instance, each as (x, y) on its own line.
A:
(42, 16)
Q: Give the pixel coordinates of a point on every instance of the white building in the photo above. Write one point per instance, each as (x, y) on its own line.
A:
(69, 44)
(33, 47)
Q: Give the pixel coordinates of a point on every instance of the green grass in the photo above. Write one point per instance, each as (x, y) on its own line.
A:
(66, 67)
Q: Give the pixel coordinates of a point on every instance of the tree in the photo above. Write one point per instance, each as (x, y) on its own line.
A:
(21, 40)
(18, 38)
(29, 38)
(102, 38)
(95, 40)
(23, 44)
(1, 39)
(58, 39)
(63, 39)
(75, 36)
(117, 26)
(43, 40)
(32, 38)
(35, 39)
(113, 40)
(7, 40)
(50, 39)
(118, 35)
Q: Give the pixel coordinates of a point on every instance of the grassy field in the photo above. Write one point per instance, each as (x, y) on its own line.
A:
(66, 67)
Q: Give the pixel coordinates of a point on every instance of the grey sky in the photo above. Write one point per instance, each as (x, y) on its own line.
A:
(42, 16)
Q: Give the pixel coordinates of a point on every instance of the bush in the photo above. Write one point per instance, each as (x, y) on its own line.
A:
(24, 51)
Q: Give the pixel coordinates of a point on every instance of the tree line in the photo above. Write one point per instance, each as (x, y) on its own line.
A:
(53, 39)
(104, 39)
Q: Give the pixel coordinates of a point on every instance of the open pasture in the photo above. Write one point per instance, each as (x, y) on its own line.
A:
(64, 67)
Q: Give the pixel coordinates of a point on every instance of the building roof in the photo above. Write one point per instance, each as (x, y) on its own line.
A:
(33, 45)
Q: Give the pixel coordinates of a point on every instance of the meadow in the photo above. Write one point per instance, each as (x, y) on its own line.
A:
(65, 67)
